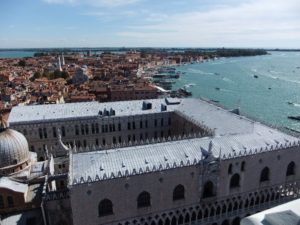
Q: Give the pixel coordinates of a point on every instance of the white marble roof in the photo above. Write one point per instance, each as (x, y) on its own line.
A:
(288, 213)
(129, 161)
(7, 183)
(202, 112)
(234, 136)
(25, 114)
(216, 118)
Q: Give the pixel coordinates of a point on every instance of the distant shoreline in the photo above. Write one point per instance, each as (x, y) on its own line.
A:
(226, 52)
(135, 48)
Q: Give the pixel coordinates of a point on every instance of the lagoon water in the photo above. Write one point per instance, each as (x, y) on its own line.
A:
(16, 54)
(231, 81)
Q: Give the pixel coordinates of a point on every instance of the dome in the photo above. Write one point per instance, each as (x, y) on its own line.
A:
(13, 147)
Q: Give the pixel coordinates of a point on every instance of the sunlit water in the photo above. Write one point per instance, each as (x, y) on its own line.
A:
(265, 98)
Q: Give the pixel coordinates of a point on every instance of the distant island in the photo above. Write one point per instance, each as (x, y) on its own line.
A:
(207, 52)
(240, 52)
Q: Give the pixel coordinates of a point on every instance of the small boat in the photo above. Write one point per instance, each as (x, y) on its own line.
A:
(290, 103)
(269, 88)
(217, 88)
(255, 76)
(217, 74)
(189, 85)
(166, 84)
(294, 118)
(184, 92)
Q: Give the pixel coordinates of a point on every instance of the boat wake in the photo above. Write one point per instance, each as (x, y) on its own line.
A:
(217, 63)
(291, 81)
(227, 80)
(294, 104)
(275, 72)
(280, 78)
(223, 90)
(189, 85)
(270, 76)
(199, 72)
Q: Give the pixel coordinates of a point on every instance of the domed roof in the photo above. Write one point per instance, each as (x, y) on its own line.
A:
(13, 146)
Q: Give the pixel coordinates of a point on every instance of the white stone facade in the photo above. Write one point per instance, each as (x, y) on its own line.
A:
(219, 168)
(249, 196)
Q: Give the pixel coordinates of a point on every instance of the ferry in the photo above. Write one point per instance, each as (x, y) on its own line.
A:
(169, 76)
(165, 83)
(170, 70)
(184, 92)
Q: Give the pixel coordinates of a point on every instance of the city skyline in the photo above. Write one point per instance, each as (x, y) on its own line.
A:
(145, 23)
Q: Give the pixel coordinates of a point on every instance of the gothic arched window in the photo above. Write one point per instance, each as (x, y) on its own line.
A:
(143, 200)
(265, 174)
(243, 165)
(230, 169)
(1, 202)
(290, 169)
(235, 181)
(10, 201)
(208, 190)
(105, 207)
(178, 192)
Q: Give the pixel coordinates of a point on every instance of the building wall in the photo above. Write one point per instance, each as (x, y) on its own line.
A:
(250, 195)
(277, 161)
(4, 171)
(154, 125)
(121, 95)
(58, 212)
(182, 126)
(18, 201)
(124, 192)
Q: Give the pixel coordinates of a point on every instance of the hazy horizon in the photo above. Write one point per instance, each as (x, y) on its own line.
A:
(144, 47)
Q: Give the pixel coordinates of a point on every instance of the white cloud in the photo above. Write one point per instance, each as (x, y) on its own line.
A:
(256, 23)
(109, 13)
(97, 3)
(61, 1)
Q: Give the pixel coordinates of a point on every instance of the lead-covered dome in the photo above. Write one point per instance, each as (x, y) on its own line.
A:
(13, 147)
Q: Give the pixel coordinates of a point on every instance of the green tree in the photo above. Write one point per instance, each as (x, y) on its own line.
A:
(56, 74)
(65, 75)
(22, 63)
(36, 75)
